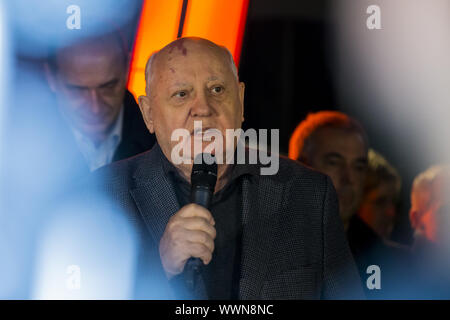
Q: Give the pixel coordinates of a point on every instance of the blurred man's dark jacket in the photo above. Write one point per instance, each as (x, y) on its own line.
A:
(293, 242)
(429, 272)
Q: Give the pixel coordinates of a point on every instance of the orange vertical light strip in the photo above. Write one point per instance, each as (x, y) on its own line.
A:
(240, 35)
(222, 22)
(158, 26)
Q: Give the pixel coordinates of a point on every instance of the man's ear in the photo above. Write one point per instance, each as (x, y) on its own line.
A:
(147, 114)
(241, 98)
(50, 76)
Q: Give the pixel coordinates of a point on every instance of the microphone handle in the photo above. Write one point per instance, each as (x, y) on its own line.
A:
(201, 196)
(190, 270)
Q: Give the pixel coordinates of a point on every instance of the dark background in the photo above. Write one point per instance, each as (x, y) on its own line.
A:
(284, 64)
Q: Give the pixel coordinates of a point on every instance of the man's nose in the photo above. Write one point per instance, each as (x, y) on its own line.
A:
(94, 101)
(346, 175)
(201, 107)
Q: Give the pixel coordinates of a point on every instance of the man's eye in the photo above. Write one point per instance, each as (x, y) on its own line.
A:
(180, 94)
(217, 89)
(109, 86)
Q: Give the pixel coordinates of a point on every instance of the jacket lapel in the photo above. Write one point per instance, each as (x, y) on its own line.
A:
(262, 200)
(153, 194)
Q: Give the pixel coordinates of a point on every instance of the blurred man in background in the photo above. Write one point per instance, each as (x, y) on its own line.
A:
(335, 144)
(381, 193)
(89, 79)
(430, 219)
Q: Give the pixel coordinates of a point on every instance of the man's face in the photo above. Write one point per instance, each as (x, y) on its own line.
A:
(378, 208)
(342, 155)
(191, 82)
(430, 212)
(90, 86)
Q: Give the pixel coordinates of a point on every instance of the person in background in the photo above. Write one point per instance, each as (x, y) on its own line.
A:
(430, 218)
(381, 193)
(337, 145)
(89, 78)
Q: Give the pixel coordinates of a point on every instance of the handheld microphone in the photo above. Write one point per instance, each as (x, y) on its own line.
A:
(203, 182)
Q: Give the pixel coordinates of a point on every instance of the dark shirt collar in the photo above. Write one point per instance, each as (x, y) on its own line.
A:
(236, 170)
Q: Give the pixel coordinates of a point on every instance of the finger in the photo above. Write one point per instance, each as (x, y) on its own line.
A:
(197, 224)
(195, 210)
(198, 250)
(200, 237)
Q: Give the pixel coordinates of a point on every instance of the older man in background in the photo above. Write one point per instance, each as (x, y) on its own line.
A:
(430, 219)
(336, 144)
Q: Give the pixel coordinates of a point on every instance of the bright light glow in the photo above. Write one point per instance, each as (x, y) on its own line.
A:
(222, 22)
(88, 251)
(158, 27)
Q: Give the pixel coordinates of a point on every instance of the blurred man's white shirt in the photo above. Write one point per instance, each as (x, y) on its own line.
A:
(103, 154)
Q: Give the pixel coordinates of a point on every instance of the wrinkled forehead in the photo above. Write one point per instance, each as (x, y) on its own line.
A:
(187, 48)
(185, 57)
(339, 139)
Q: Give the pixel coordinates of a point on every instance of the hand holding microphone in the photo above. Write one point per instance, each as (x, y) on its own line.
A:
(190, 232)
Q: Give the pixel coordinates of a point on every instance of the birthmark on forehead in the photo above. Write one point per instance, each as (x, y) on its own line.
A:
(172, 70)
(180, 46)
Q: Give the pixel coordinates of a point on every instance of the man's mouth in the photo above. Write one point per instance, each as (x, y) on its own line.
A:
(204, 132)
(198, 131)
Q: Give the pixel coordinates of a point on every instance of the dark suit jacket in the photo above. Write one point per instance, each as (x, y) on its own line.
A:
(293, 243)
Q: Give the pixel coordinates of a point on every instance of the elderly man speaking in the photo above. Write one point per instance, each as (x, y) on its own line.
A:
(264, 236)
